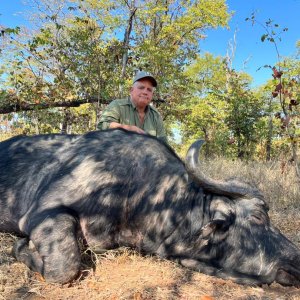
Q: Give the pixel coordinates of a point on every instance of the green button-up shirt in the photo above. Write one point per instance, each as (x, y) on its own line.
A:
(123, 111)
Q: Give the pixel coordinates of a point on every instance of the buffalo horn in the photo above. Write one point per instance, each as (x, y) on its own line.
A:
(231, 188)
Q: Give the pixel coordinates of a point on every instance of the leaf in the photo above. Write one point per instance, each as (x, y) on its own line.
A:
(15, 30)
(294, 102)
(231, 141)
(277, 115)
(278, 87)
(276, 73)
(263, 37)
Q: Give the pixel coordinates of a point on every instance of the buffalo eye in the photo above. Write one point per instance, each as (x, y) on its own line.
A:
(258, 219)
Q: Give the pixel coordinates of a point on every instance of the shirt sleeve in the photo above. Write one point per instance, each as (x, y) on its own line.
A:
(110, 114)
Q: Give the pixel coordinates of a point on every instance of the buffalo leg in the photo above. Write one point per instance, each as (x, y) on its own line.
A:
(56, 253)
(25, 252)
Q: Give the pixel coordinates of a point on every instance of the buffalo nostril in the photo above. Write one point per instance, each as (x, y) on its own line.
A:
(285, 277)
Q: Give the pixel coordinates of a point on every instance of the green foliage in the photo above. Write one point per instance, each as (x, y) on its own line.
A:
(220, 108)
(79, 48)
(89, 50)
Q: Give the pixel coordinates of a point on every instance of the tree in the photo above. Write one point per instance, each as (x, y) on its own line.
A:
(286, 88)
(78, 51)
(244, 112)
(221, 108)
(87, 52)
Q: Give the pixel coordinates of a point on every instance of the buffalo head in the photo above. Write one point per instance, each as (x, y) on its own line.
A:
(236, 239)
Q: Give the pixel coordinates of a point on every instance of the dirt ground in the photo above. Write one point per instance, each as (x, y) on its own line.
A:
(124, 274)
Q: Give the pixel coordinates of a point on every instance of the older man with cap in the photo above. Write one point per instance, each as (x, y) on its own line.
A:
(135, 112)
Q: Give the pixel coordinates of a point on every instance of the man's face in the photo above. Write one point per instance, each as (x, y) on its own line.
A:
(142, 92)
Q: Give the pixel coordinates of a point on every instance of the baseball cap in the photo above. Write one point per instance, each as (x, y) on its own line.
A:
(142, 74)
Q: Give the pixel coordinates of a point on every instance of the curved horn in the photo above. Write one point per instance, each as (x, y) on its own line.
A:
(231, 188)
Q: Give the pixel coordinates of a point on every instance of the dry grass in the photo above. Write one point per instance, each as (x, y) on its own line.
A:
(124, 274)
(276, 180)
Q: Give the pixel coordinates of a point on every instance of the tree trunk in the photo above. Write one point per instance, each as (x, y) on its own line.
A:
(65, 122)
(269, 139)
(128, 30)
(295, 158)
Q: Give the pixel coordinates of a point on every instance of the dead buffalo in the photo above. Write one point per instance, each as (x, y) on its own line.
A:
(118, 188)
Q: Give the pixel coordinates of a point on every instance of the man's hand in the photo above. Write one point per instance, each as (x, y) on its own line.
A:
(127, 127)
(133, 128)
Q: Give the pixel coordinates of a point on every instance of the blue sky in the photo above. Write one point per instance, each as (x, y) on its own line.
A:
(249, 48)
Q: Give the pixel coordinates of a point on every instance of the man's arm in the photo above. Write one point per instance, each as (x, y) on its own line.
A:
(109, 115)
(110, 118)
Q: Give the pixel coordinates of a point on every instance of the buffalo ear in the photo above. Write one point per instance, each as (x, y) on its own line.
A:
(217, 229)
(223, 215)
(212, 227)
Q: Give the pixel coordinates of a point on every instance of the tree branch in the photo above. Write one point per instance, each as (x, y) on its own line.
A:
(16, 107)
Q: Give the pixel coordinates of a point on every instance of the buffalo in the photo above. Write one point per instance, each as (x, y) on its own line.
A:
(118, 188)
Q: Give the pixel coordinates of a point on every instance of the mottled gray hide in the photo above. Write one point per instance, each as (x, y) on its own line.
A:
(117, 188)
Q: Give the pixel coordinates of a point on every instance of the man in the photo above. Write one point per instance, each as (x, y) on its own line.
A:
(135, 113)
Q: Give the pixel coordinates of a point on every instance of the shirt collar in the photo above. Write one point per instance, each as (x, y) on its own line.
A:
(134, 106)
